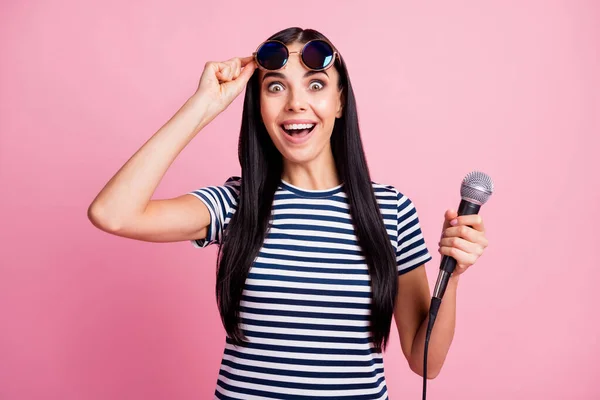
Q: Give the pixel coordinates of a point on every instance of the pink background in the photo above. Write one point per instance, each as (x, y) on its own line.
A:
(509, 87)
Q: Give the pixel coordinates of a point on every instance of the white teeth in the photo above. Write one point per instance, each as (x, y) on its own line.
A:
(298, 126)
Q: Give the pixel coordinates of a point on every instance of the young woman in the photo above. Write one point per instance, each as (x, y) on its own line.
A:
(314, 257)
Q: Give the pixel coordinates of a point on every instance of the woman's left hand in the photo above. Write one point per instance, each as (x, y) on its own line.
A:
(460, 241)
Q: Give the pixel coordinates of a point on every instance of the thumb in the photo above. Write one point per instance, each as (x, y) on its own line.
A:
(449, 216)
(247, 72)
(237, 85)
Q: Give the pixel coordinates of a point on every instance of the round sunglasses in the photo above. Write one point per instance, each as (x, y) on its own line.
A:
(316, 55)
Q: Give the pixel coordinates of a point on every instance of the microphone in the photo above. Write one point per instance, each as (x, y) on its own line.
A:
(475, 190)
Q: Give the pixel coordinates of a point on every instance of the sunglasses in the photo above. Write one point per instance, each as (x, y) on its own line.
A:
(317, 55)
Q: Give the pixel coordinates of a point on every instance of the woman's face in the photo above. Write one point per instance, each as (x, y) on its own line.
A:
(299, 108)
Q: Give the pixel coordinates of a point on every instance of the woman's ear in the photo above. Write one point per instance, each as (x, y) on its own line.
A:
(340, 109)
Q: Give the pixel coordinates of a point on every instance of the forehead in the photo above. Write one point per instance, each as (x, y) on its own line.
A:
(295, 46)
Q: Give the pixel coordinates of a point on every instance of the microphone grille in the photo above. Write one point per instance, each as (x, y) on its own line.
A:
(477, 187)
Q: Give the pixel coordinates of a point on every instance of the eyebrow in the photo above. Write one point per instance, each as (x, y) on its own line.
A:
(282, 76)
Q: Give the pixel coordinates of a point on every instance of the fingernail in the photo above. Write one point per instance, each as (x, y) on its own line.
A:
(454, 222)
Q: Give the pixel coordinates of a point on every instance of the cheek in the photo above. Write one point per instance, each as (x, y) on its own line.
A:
(325, 109)
(268, 110)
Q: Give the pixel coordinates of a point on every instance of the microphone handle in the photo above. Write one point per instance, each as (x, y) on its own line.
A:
(448, 263)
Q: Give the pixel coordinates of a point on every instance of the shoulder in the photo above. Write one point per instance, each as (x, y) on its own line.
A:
(232, 185)
(234, 181)
(231, 189)
(393, 200)
(225, 194)
(385, 191)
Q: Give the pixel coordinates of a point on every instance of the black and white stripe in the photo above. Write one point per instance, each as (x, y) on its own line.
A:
(305, 304)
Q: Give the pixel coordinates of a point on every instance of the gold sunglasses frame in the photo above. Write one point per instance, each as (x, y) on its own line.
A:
(335, 54)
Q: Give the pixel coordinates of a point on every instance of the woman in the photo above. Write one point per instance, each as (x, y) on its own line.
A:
(314, 257)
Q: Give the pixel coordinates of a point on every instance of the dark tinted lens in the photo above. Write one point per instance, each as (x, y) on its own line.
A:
(272, 55)
(317, 54)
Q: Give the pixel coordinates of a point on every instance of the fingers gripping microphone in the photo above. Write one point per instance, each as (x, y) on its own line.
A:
(475, 190)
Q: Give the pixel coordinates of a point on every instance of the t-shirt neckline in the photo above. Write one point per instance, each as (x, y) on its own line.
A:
(311, 192)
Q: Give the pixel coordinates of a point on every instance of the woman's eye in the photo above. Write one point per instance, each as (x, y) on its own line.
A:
(316, 85)
(275, 87)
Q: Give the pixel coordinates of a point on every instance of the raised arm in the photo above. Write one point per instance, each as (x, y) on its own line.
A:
(124, 206)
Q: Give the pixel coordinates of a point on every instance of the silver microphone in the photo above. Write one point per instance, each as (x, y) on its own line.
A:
(475, 190)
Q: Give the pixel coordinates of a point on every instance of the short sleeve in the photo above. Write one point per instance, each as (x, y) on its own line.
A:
(221, 202)
(411, 250)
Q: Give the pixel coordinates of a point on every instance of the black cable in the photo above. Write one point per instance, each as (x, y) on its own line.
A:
(433, 310)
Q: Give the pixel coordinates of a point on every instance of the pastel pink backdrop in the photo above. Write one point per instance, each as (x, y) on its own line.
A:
(510, 88)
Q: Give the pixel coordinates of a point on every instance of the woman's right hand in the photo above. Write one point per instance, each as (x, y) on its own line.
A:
(222, 82)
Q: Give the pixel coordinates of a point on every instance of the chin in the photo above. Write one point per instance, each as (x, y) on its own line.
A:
(298, 156)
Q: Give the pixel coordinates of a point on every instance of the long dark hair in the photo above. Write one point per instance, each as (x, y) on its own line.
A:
(262, 167)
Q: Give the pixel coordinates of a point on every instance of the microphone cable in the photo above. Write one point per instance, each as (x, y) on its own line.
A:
(433, 310)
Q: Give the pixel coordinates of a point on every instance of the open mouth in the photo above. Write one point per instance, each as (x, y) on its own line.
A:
(298, 130)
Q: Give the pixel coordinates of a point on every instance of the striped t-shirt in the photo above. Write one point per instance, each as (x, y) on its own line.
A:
(305, 303)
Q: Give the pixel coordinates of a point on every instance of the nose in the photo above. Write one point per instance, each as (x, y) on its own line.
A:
(297, 100)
